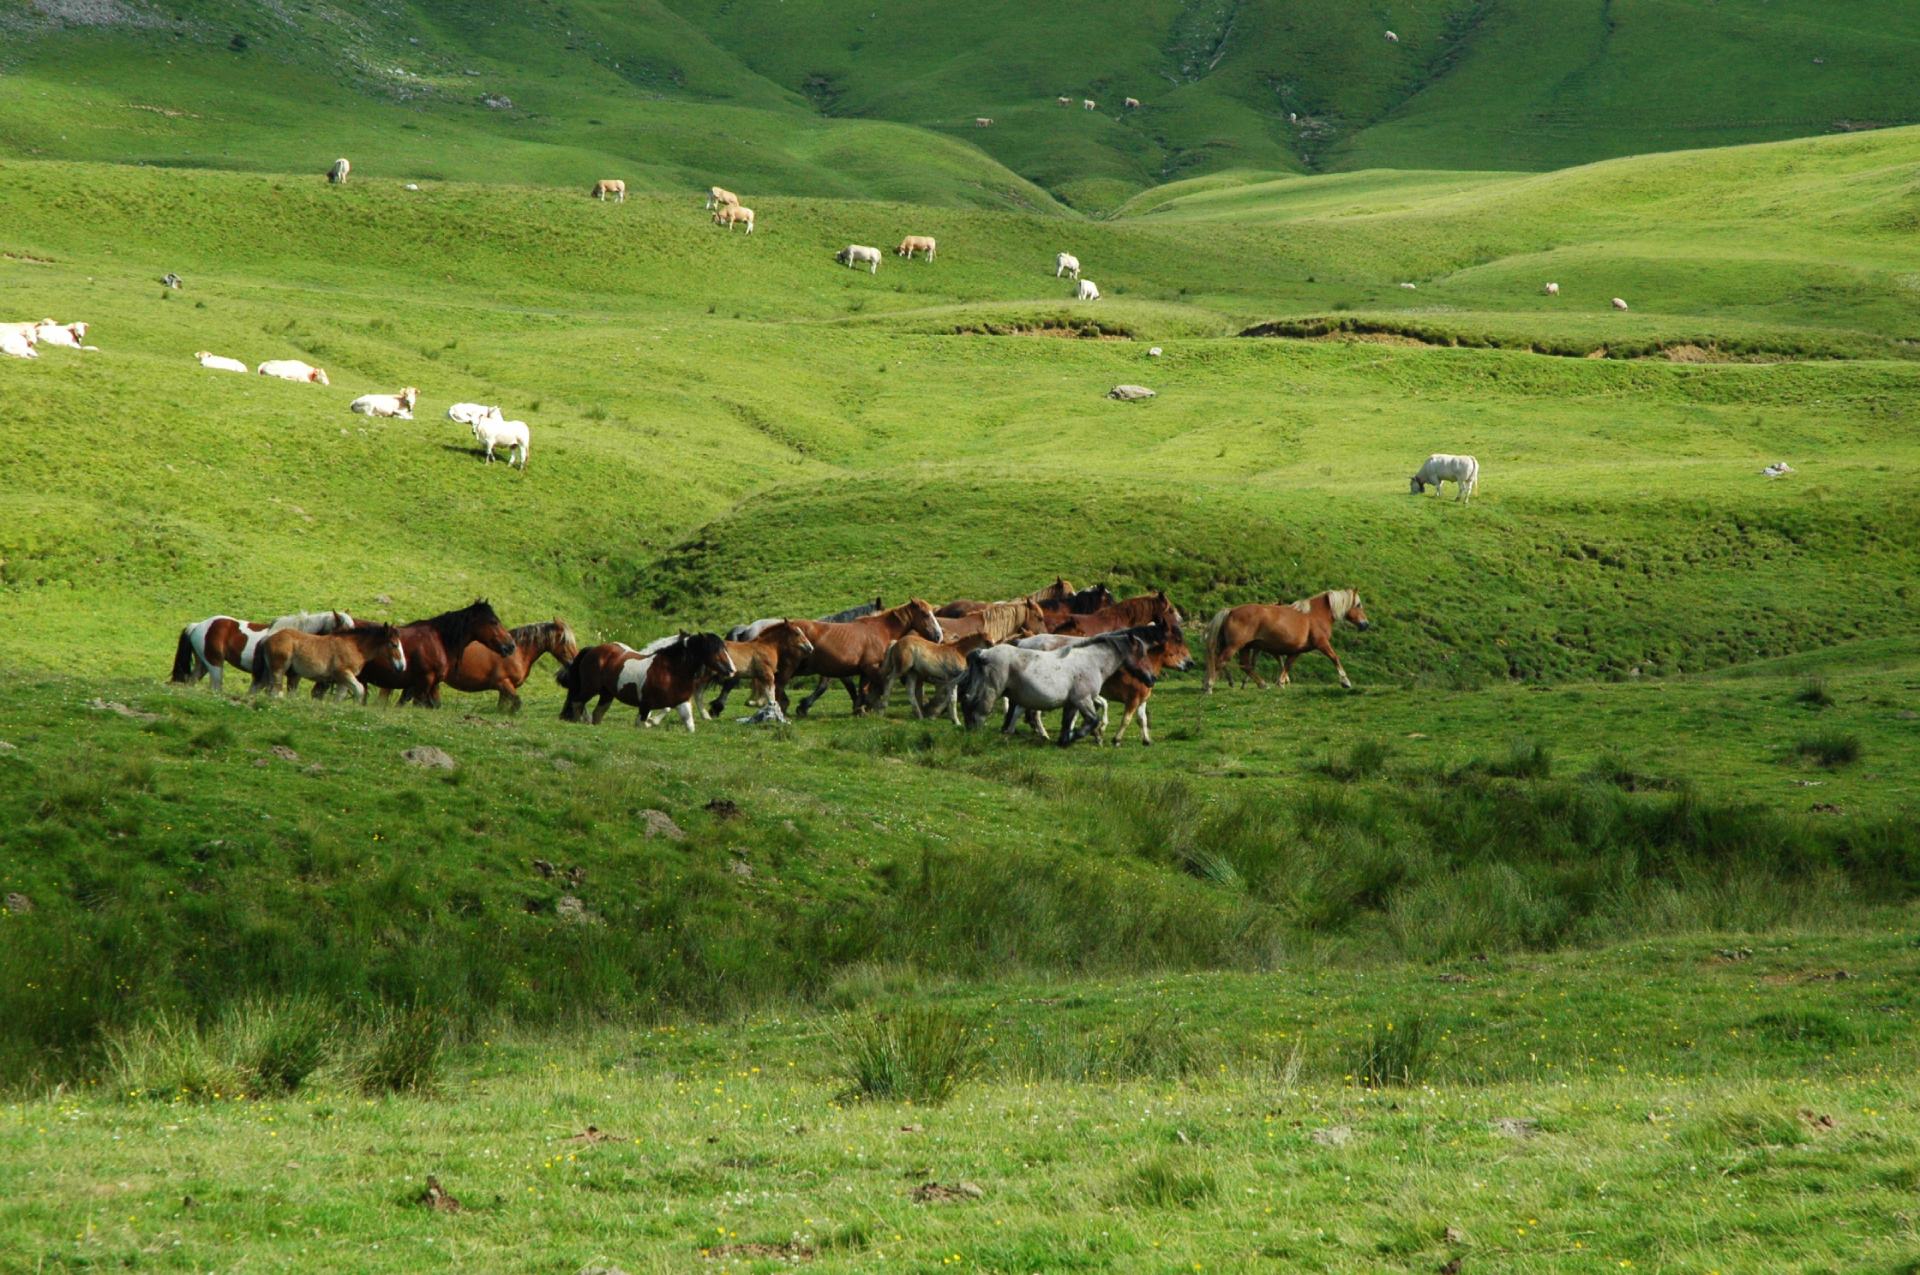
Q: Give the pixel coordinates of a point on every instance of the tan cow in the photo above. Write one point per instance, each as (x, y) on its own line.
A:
(720, 197)
(1064, 101)
(730, 215)
(610, 186)
(983, 121)
(915, 243)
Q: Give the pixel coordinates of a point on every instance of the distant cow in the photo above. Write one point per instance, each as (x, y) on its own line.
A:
(610, 186)
(218, 362)
(1553, 289)
(293, 370)
(982, 121)
(855, 255)
(1064, 101)
(1065, 263)
(71, 335)
(1131, 103)
(1088, 104)
(1392, 38)
(491, 432)
(1462, 471)
(337, 175)
(1618, 304)
(1087, 290)
(719, 196)
(469, 413)
(915, 243)
(730, 215)
(400, 405)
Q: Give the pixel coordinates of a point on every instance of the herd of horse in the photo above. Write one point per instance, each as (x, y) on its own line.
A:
(1074, 650)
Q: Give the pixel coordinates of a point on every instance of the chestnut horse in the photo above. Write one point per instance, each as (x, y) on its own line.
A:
(919, 662)
(1166, 649)
(1056, 593)
(480, 668)
(331, 659)
(434, 646)
(854, 650)
(997, 622)
(1148, 608)
(667, 674)
(1287, 631)
(207, 646)
(760, 661)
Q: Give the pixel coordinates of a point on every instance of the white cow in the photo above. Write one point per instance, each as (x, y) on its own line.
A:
(1088, 290)
(400, 405)
(17, 344)
(68, 334)
(1553, 289)
(492, 432)
(1065, 263)
(337, 175)
(855, 255)
(1132, 103)
(468, 413)
(1462, 471)
(1392, 38)
(1088, 104)
(1618, 304)
(294, 370)
(731, 215)
(219, 363)
(718, 196)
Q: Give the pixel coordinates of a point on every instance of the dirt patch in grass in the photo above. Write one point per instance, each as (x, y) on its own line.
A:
(1063, 329)
(936, 1193)
(789, 1252)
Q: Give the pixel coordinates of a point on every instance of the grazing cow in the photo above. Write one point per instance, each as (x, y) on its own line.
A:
(491, 432)
(469, 413)
(1618, 304)
(730, 215)
(400, 405)
(18, 345)
(1392, 38)
(915, 243)
(1287, 632)
(1131, 103)
(337, 175)
(70, 335)
(218, 362)
(1064, 101)
(667, 674)
(1552, 289)
(720, 197)
(855, 255)
(1462, 471)
(294, 370)
(1086, 290)
(982, 121)
(1065, 263)
(610, 187)
(1088, 104)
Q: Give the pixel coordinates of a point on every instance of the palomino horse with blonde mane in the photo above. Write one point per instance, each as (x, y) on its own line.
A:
(997, 622)
(1287, 632)
(854, 651)
(481, 668)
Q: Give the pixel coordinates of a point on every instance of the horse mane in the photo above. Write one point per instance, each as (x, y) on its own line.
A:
(543, 633)
(456, 627)
(1002, 620)
(1339, 601)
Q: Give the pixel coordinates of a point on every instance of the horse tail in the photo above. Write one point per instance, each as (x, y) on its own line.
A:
(1216, 643)
(183, 656)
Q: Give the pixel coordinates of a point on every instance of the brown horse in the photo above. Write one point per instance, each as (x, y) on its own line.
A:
(997, 622)
(666, 674)
(1148, 608)
(1056, 593)
(330, 659)
(481, 668)
(1287, 631)
(853, 651)
(434, 646)
(1166, 650)
(919, 662)
(761, 661)
(207, 646)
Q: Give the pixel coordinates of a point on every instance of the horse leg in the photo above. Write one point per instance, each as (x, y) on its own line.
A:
(1286, 669)
(1066, 724)
(1013, 718)
(953, 700)
(203, 669)
(1146, 735)
(807, 704)
(718, 704)
(600, 709)
(685, 709)
(353, 686)
(1039, 723)
(1326, 648)
(854, 688)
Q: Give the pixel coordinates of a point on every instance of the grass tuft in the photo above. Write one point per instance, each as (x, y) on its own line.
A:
(1830, 748)
(1399, 1052)
(919, 1055)
(402, 1053)
(1167, 1181)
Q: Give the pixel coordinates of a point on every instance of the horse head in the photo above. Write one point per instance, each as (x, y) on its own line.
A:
(483, 626)
(390, 647)
(1132, 652)
(707, 652)
(921, 619)
(1174, 652)
(1355, 614)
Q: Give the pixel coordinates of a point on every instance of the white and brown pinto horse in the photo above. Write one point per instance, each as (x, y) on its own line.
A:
(1287, 632)
(331, 659)
(207, 646)
(666, 674)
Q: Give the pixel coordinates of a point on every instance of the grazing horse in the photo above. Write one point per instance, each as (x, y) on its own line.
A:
(481, 668)
(1145, 609)
(1287, 631)
(434, 646)
(854, 650)
(998, 622)
(1069, 679)
(767, 662)
(332, 659)
(668, 674)
(919, 662)
(207, 646)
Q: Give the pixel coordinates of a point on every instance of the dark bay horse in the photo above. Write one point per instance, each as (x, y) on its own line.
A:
(481, 668)
(1287, 631)
(330, 659)
(434, 647)
(855, 650)
(1148, 608)
(666, 674)
(1056, 594)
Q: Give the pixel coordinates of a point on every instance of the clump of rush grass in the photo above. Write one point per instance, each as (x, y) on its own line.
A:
(1365, 760)
(1398, 1052)
(401, 1053)
(1813, 692)
(1525, 759)
(1167, 1181)
(1830, 748)
(918, 1054)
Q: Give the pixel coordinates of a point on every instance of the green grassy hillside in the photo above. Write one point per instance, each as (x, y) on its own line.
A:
(848, 99)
